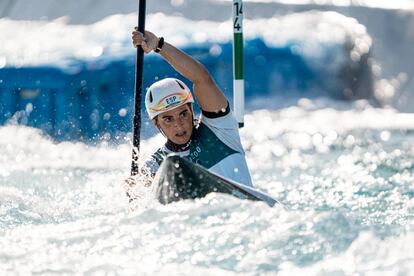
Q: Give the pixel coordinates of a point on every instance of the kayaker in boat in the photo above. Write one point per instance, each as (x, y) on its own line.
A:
(212, 140)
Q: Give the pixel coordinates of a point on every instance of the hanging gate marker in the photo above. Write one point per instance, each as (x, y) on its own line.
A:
(238, 74)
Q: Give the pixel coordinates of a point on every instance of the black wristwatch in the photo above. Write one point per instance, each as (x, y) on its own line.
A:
(160, 44)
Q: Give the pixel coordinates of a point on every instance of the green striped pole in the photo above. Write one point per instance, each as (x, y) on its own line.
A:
(238, 76)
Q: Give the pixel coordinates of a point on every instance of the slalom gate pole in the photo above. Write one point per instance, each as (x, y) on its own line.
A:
(139, 71)
(238, 75)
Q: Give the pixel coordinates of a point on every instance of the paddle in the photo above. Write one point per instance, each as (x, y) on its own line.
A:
(139, 70)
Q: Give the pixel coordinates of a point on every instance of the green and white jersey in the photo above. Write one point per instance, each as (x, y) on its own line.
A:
(215, 145)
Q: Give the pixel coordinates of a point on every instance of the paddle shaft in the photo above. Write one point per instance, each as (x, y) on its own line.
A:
(139, 72)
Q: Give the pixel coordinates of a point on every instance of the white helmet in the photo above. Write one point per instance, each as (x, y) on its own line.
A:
(165, 95)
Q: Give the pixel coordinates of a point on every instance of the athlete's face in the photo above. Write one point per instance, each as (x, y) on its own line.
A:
(177, 124)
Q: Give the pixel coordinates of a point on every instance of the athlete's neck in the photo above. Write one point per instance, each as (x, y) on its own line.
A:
(176, 147)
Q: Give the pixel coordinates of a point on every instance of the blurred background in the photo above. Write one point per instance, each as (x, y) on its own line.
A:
(68, 67)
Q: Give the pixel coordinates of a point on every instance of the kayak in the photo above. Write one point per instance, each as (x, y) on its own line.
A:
(179, 178)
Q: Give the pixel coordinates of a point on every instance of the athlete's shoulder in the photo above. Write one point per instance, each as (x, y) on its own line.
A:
(221, 120)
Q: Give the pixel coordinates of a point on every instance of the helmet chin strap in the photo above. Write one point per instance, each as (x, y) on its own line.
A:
(162, 132)
(195, 121)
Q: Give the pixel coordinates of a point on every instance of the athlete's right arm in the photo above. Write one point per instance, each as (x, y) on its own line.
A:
(129, 186)
(210, 98)
(146, 175)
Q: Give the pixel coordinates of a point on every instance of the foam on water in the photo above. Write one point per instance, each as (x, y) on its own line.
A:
(343, 171)
(59, 44)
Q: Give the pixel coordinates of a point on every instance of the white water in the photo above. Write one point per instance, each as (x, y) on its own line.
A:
(343, 171)
(59, 44)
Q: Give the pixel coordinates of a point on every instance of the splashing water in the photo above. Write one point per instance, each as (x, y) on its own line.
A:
(343, 171)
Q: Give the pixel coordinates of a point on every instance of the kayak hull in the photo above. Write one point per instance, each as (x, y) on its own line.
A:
(179, 178)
